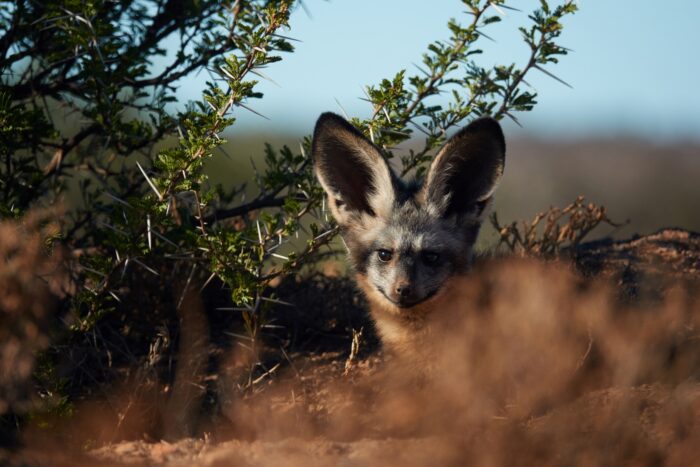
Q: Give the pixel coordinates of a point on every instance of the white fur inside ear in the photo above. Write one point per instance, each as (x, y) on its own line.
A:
(486, 208)
(380, 186)
(495, 183)
(381, 197)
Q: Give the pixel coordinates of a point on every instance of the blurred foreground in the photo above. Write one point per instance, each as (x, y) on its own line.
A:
(590, 362)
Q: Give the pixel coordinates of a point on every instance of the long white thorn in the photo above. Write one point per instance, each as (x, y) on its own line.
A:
(150, 183)
(260, 239)
(148, 232)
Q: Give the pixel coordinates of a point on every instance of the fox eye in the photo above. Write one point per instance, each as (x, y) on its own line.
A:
(431, 257)
(384, 255)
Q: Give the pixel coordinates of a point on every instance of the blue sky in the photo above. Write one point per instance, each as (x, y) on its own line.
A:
(635, 65)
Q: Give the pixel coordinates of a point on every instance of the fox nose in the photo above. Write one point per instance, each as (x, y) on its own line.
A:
(403, 290)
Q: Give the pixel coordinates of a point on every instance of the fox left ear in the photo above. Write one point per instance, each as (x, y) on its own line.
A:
(466, 171)
(351, 170)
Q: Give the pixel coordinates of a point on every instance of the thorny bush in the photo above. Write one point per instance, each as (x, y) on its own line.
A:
(84, 123)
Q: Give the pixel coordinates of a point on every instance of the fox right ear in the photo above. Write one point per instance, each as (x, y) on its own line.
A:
(466, 171)
(351, 170)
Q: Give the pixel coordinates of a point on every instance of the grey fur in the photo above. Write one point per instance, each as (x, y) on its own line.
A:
(428, 228)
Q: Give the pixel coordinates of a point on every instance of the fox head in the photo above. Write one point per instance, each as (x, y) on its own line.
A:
(406, 240)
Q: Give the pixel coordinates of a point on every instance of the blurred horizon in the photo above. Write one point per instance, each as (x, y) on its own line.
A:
(630, 67)
(651, 185)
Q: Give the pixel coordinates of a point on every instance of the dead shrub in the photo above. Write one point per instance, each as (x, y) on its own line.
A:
(552, 231)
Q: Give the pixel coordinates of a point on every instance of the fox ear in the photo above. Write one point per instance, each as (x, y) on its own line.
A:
(351, 170)
(466, 171)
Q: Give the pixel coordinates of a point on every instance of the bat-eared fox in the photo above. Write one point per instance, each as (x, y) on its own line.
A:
(410, 243)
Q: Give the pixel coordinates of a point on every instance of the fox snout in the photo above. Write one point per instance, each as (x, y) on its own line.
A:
(405, 277)
(403, 293)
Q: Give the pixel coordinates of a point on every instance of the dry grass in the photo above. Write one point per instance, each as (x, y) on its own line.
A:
(31, 278)
(544, 367)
